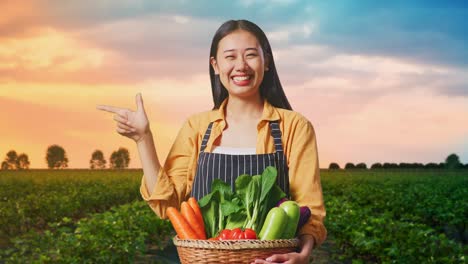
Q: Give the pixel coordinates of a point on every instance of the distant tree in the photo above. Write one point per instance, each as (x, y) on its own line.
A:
(361, 166)
(349, 165)
(376, 166)
(431, 165)
(56, 157)
(387, 165)
(334, 166)
(97, 160)
(414, 165)
(11, 160)
(119, 159)
(452, 162)
(23, 162)
(404, 165)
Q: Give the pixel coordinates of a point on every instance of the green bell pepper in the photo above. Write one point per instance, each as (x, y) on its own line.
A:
(293, 212)
(274, 225)
(281, 222)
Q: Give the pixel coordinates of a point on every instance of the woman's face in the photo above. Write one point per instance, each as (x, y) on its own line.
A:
(240, 64)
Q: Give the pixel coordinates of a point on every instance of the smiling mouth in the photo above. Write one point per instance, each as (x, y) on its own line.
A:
(241, 78)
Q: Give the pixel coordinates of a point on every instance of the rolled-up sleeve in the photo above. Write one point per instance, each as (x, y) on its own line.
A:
(172, 181)
(304, 174)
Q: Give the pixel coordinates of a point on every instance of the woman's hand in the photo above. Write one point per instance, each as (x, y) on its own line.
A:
(290, 258)
(303, 257)
(131, 124)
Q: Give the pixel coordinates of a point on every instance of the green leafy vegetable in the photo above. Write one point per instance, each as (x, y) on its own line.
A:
(247, 207)
(210, 212)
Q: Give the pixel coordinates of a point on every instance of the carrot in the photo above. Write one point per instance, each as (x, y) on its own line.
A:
(189, 215)
(182, 228)
(196, 209)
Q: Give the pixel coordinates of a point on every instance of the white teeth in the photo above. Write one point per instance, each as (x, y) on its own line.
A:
(240, 78)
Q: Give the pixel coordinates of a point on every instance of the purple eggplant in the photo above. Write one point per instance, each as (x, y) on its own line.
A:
(305, 214)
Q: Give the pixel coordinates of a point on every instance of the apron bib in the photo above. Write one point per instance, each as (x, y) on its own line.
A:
(227, 167)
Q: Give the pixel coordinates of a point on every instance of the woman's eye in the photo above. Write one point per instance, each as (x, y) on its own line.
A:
(251, 55)
(229, 57)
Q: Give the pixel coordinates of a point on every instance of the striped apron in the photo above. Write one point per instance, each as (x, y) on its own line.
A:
(227, 167)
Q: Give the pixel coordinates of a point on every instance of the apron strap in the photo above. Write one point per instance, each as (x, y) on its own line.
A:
(206, 137)
(276, 134)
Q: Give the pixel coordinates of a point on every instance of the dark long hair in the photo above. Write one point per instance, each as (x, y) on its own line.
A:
(270, 88)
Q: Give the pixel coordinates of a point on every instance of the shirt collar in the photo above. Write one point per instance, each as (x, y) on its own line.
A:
(269, 112)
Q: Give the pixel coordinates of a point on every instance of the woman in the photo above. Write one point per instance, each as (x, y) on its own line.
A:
(250, 127)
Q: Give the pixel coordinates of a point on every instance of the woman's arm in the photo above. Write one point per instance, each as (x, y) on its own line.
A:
(304, 176)
(149, 160)
(307, 244)
(172, 181)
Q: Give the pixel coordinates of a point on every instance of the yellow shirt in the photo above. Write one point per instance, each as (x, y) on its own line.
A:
(175, 179)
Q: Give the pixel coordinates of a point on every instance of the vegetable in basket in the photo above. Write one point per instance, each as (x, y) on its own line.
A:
(304, 212)
(196, 209)
(188, 223)
(236, 233)
(281, 222)
(192, 219)
(274, 225)
(293, 212)
(247, 207)
(181, 226)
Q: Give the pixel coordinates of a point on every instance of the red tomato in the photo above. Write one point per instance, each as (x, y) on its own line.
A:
(225, 234)
(237, 234)
(249, 234)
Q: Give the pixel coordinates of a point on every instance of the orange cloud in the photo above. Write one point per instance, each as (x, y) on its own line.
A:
(15, 14)
(49, 50)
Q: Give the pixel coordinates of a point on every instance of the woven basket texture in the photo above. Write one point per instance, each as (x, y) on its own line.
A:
(231, 251)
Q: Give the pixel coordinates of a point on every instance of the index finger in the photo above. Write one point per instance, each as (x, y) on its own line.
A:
(108, 108)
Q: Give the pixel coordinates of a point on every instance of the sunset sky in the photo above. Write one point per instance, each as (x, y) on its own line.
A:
(380, 81)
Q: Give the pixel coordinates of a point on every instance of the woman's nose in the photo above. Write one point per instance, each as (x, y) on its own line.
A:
(241, 64)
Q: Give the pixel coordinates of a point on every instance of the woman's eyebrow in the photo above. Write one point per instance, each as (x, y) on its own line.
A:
(229, 50)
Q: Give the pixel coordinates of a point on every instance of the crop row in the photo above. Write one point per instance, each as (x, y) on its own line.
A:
(398, 217)
(119, 235)
(32, 199)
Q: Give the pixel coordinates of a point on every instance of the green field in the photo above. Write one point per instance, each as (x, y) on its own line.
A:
(373, 216)
(398, 216)
(33, 198)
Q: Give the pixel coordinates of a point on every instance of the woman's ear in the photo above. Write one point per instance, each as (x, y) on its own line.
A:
(214, 64)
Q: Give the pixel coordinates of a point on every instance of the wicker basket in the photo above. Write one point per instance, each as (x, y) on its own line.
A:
(231, 251)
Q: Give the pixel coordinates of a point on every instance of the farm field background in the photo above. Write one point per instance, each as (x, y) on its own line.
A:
(97, 216)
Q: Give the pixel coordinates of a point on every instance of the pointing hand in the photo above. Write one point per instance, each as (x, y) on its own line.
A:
(131, 124)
